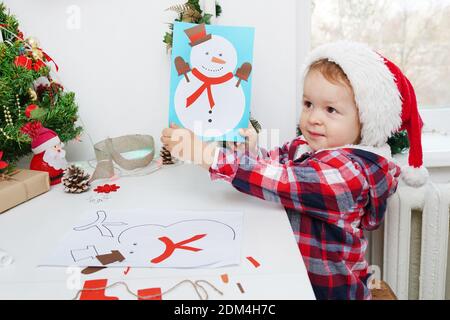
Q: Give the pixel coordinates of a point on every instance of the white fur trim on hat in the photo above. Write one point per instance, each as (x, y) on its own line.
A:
(47, 144)
(376, 93)
(414, 177)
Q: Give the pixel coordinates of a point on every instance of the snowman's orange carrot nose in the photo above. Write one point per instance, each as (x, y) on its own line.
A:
(218, 60)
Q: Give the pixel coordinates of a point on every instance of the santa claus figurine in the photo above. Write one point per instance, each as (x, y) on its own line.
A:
(49, 154)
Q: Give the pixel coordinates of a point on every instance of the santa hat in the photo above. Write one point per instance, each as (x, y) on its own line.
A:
(385, 99)
(41, 138)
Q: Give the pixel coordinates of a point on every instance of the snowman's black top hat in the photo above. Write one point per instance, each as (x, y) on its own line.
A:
(197, 34)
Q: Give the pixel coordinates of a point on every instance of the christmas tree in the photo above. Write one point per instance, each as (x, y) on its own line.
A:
(28, 93)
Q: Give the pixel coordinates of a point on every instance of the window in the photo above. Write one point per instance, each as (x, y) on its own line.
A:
(414, 34)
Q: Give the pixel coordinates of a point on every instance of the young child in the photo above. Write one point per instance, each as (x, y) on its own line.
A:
(334, 181)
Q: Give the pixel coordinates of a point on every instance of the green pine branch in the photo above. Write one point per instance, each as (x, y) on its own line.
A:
(188, 12)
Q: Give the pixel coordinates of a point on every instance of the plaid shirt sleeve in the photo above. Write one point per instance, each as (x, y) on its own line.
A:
(325, 186)
(279, 154)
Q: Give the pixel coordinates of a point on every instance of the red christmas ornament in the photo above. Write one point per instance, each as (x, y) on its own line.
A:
(29, 109)
(49, 156)
(22, 61)
(38, 65)
(3, 164)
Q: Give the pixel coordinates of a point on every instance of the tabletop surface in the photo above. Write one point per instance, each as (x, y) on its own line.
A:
(33, 229)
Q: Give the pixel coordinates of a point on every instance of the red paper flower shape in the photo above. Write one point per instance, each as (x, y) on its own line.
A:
(107, 188)
(3, 164)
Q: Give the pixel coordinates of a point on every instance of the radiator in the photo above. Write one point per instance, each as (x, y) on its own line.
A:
(414, 271)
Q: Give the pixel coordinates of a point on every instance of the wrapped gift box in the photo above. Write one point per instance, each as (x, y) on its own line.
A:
(22, 186)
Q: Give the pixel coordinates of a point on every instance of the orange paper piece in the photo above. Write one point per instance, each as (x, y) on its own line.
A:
(224, 278)
(152, 293)
(89, 293)
(254, 262)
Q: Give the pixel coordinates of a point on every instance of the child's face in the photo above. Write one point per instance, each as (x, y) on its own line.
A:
(329, 117)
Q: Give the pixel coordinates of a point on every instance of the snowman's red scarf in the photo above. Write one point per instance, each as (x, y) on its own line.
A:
(207, 83)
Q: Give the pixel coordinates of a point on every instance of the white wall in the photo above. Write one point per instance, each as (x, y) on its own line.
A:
(117, 65)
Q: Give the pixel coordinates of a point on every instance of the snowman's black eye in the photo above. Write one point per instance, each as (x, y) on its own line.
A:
(220, 54)
(207, 53)
(134, 244)
(131, 252)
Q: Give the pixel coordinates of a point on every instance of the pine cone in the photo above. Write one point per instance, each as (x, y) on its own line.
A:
(166, 156)
(75, 180)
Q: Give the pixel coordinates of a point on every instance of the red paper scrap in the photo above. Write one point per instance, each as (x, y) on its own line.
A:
(152, 293)
(224, 278)
(126, 271)
(107, 188)
(89, 293)
(254, 262)
(171, 246)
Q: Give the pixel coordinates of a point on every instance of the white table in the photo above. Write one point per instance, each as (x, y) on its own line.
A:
(33, 229)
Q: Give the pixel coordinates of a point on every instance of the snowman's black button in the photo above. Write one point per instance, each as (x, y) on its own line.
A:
(210, 111)
(209, 120)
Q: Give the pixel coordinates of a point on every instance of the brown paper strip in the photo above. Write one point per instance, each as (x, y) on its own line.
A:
(90, 270)
(114, 256)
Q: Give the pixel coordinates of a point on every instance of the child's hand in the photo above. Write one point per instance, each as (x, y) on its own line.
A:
(185, 146)
(251, 139)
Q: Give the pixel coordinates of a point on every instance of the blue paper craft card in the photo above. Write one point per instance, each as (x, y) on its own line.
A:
(211, 78)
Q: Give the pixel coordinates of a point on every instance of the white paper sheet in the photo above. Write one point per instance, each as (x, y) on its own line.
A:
(150, 238)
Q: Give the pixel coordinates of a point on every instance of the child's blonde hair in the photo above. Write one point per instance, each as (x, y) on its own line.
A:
(331, 71)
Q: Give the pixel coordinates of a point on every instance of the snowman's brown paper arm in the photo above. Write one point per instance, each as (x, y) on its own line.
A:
(182, 67)
(243, 73)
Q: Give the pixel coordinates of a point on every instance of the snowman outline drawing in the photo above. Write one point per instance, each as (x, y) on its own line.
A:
(100, 224)
(172, 247)
(209, 98)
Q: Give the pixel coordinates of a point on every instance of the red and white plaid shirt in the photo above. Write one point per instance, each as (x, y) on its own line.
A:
(331, 196)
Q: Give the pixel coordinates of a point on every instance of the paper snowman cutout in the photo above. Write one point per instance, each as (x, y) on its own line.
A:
(209, 99)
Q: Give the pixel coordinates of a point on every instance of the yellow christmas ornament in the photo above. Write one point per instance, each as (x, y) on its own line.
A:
(32, 42)
(32, 94)
(37, 54)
